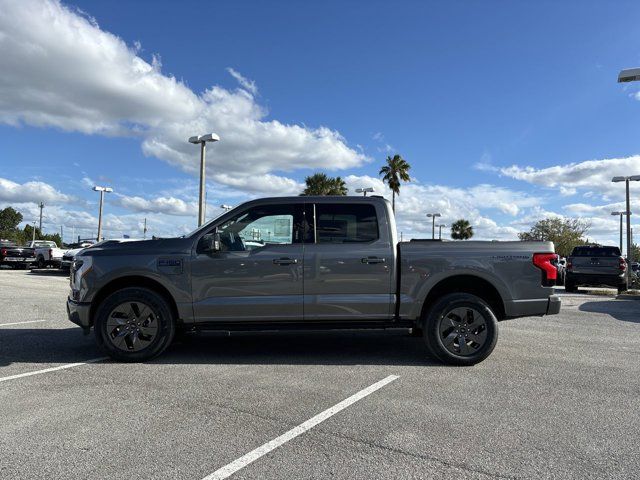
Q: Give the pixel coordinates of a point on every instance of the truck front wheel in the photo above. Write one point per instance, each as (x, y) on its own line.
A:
(134, 325)
(460, 329)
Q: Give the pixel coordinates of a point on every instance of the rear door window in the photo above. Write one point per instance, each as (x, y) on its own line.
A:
(346, 223)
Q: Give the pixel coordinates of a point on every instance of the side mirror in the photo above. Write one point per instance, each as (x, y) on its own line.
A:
(211, 242)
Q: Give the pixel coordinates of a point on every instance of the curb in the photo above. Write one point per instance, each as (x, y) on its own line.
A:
(628, 296)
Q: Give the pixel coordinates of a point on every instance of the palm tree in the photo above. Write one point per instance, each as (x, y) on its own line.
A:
(461, 230)
(321, 184)
(393, 173)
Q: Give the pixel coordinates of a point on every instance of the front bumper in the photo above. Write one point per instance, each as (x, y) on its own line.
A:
(79, 314)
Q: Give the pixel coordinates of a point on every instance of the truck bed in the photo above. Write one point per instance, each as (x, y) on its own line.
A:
(503, 268)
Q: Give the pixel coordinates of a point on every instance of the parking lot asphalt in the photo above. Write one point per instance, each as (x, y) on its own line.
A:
(558, 398)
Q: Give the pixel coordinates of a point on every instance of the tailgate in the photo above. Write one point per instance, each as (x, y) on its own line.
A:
(596, 265)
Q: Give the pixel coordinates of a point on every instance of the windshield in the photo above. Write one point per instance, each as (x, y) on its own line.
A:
(203, 226)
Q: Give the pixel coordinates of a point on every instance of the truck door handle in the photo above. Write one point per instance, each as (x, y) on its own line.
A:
(370, 260)
(285, 261)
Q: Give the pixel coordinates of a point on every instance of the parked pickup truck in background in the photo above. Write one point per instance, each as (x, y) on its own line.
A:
(70, 255)
(47, 253)
(595, 265)
(325, 263)
(15, 256)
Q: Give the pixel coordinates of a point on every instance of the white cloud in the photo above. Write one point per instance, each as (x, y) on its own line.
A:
(265, 185)
(33, 192)
(588, 175)
(166, 205)
(474, 203)
(248, 85)
(60, 69)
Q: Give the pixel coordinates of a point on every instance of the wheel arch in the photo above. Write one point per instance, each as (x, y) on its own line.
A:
(471, 284)
(138, 281)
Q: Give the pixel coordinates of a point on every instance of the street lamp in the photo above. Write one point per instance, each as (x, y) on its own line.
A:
(364, 190)
(626, 180)
(621, 214)
(629, 75)
(226, 208)
(433, 223)
(202, 140)
(440, 230)
(102, 190)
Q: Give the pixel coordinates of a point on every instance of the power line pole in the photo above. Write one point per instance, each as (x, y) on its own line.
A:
(144, 230)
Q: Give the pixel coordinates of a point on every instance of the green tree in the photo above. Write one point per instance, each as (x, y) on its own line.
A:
(393, 174)
(564, 233)
(461, 230)
(321, 184)
(9, 219)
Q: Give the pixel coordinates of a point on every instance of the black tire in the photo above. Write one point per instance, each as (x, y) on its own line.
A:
(443, 328)
(569, 286)
(130, 334)
(416, 332)
(40, 263)
(561, 279)
(622, 289)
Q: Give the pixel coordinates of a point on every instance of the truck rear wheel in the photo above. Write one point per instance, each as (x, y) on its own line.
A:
(569, 286)
(460, 329)
(134, 325)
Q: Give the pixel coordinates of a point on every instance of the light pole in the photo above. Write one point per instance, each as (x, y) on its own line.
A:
(440, 230)
(40, 206)
(101, 190)
(202, 140)
(433, 223)
(364, 190)
(626, 180)
(621, 214)
(226, 208)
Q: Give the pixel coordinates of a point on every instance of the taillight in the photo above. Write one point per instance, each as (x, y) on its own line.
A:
(50, 253)
(623, 264)
(549, 271)
(569, 265)
(4, 252)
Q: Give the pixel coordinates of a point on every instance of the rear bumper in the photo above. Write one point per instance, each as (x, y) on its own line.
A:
(533, 307)
(17, 261)
(595, 279)
(554, 305)
(78, 313)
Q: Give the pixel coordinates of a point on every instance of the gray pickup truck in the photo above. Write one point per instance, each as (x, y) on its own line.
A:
(595, 265)
(308, 263)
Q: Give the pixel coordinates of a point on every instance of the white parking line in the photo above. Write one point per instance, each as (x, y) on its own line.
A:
(20, 323)
(253, 455)
(52, 369)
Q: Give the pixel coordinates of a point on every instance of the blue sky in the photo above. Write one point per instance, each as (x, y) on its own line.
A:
(507, 111)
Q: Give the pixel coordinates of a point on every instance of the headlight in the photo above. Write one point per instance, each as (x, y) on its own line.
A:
(81, 266)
